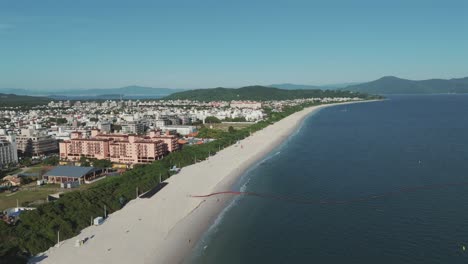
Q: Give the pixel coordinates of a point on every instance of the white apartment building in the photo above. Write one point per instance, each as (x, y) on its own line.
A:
(8, 150)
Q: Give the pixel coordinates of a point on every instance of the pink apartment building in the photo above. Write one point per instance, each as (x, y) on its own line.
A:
(119, 148)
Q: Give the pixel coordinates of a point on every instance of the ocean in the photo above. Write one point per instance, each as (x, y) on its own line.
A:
(378, 182)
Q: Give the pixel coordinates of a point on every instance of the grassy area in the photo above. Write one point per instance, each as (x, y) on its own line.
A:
(4, 173)
(34, 169)
(8, 200)
(225, 126)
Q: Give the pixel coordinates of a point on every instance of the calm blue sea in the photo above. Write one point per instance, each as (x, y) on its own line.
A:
(398, 169)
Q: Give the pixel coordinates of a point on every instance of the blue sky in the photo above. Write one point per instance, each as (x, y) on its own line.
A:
(209, 43)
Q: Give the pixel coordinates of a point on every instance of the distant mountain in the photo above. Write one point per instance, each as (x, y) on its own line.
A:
(124, 91)
(338, 85)
(128, 90)
(15, 91)
(258, 93)
(291, 86)
(395, 85)
(12, 100)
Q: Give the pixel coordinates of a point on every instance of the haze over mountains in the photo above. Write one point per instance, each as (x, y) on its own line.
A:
(292, 86)
(103, 93)
(395, 85)
(384, 85)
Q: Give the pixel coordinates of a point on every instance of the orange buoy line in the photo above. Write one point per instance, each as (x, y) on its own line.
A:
(302, 200)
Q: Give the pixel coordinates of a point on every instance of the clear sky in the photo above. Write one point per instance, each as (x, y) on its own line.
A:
(210, 43)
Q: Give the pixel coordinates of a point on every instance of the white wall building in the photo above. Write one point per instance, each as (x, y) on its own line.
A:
(133, 128)
(246, 104)
(183, 130)
(8, 150)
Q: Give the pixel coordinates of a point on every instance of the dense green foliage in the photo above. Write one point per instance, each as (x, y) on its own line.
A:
(12, 100)
(235, 119)
(51, 161)
(102, 163)
(10, 251)
(37, 230)
(58, 120)
(212, 120)
(394, 85)
(84, 162)
(26, 161)
(258, 93)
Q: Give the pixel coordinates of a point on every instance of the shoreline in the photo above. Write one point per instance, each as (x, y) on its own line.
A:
(166, 227)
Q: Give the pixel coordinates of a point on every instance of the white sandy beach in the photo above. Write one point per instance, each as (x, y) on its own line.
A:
(165, 227)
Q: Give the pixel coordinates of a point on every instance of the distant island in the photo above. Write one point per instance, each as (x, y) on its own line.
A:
(258, 93)
(100, 93)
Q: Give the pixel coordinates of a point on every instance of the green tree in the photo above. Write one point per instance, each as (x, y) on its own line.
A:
(58, 120)
(51, 161)
(231, 129)
(84, 162)
(102, 163)
(26, 161)
(212, 120)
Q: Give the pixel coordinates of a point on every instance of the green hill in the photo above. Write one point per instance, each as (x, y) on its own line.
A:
(12, 100)
(394, 85)
(292, 86)
(257, 93)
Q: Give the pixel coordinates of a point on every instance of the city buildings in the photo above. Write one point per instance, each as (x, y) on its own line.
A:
(246, 104)
(118, 148)
(39, 129)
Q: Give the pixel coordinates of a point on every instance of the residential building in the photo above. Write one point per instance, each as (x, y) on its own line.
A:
(246, 104)
(119, 148)
(105, 126)
(35, 142)
(170, 140)
(162, 123)
(180, 129)
(133, 127)
(8, 150)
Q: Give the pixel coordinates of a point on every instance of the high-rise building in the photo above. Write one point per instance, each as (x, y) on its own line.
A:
(8, 150)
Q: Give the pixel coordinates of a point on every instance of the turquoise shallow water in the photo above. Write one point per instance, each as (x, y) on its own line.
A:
(399, 166)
